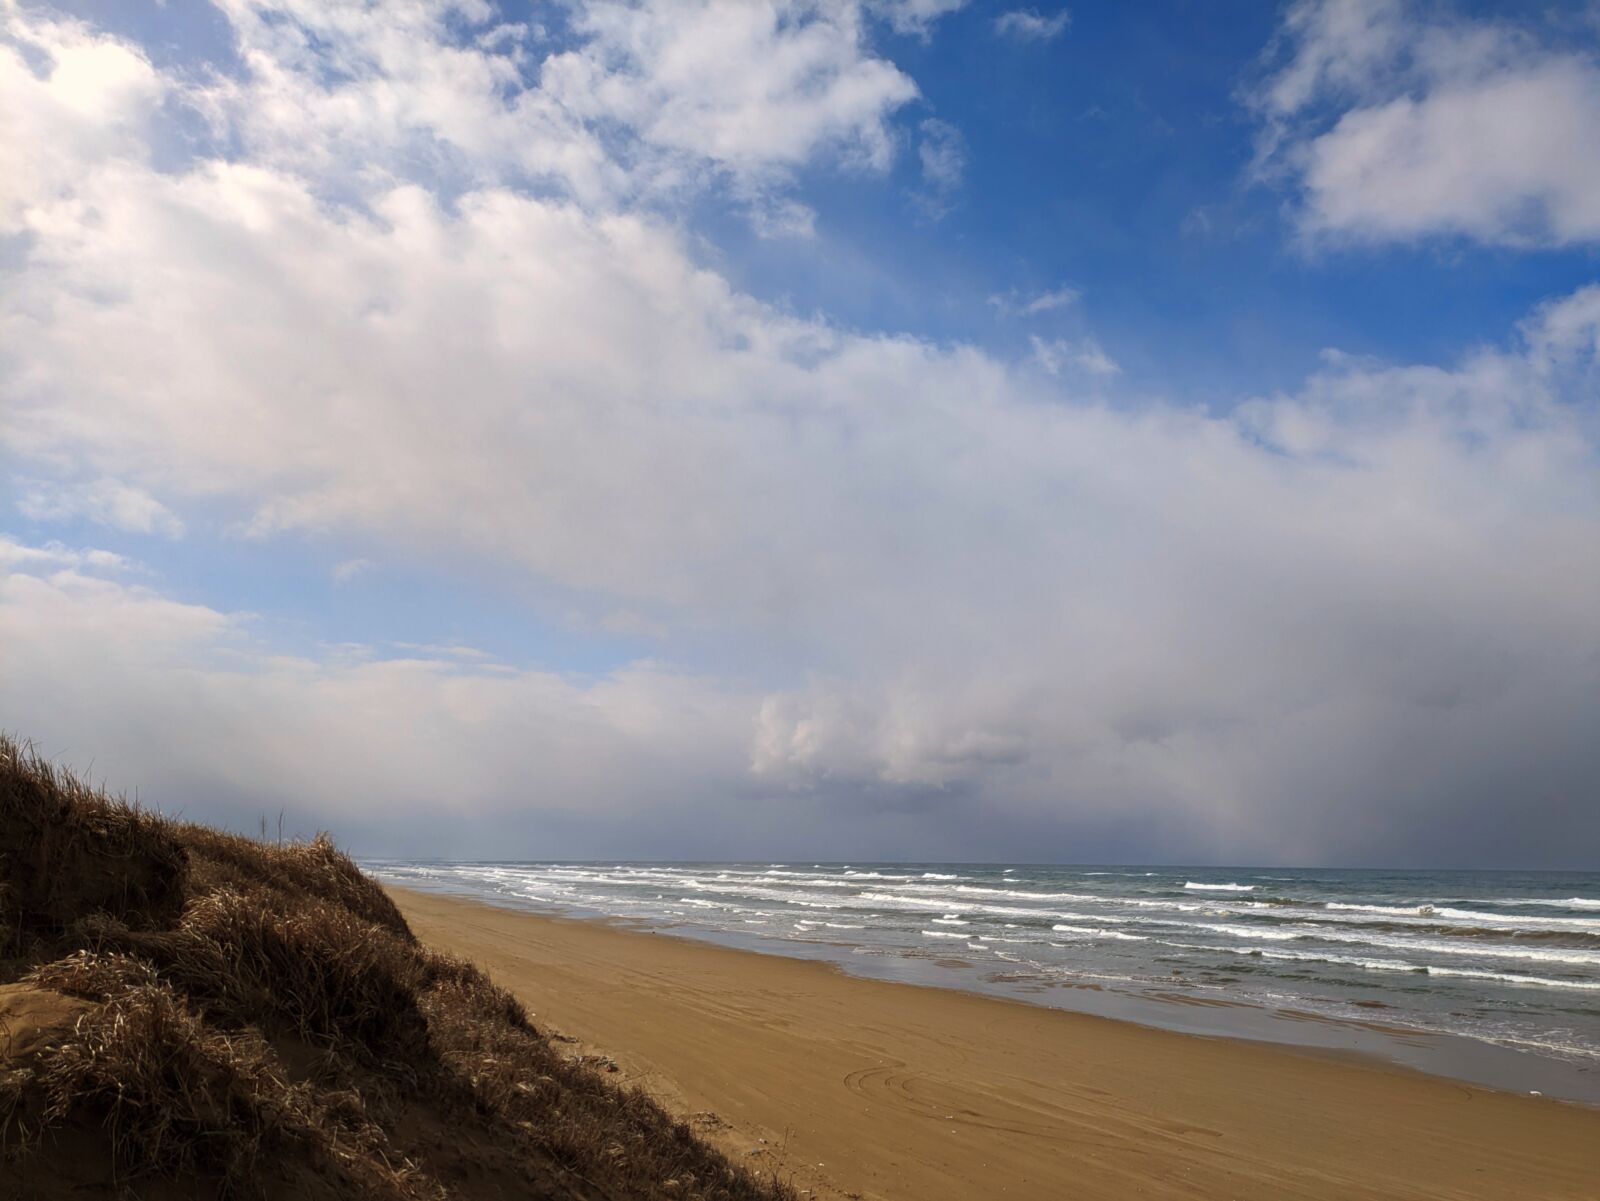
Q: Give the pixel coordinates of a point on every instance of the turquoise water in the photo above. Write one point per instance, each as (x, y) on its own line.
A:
(1488, 975)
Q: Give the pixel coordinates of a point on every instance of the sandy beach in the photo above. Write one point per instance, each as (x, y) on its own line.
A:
(861, 1088)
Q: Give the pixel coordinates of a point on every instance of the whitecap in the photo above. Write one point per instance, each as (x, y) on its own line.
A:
(1436, 946)
(1100, 932)
(1400, 965)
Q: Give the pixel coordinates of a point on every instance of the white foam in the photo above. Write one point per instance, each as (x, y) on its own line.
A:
(889, 900)
(1219, 887)
(1510, 978)
(1021, 894)
(1037, 942)
(1435, 946)
(943, 934)
(1480, 917)
(792, 880)
(1246, 931)
(1589, 925)
(1386, 910)
(1473, 951)
(1100, 932)
(1400, 965)
(764, 892)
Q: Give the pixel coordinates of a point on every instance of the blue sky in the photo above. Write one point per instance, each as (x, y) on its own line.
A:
(866, 429)
(1115, 158)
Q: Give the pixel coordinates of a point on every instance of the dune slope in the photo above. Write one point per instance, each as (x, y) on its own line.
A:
(189, 1013)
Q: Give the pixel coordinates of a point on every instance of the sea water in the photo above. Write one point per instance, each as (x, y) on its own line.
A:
(1492, 976)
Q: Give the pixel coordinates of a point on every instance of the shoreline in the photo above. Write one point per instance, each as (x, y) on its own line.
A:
(1454, 1056)
(892, 1090)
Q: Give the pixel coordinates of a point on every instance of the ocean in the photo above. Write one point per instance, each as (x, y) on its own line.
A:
(1489, 976)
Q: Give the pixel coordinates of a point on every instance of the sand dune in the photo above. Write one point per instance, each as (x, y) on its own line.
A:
(190, 1014)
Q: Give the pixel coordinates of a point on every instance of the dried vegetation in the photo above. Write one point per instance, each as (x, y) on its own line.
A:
(245, 1019)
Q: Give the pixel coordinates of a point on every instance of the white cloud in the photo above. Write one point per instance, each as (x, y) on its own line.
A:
(181, 701)
(1014, 305)
(1396, 124)
(1056, 355)
(20, 557)
(783, 218)
(652, 99)
(330, 91)
(914, 16)
(105, 501)
(451, 650)
(94, 102)
(348, 569)
(1340, 47)
(1564, 334)
(1342, 622)
(1046, 301)
(747, 86)
(942, 152)
(1029, 25)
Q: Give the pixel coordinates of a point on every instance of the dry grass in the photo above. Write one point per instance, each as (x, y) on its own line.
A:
(68, 850)
(266, 1024)
(180, 1098)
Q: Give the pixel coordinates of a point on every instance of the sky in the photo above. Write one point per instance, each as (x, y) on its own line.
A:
(811, 429)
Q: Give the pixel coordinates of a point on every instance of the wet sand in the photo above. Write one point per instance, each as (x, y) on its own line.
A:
(862, 1088)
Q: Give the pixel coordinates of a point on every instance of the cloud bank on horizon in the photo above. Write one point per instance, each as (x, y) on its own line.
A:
(503, 337)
